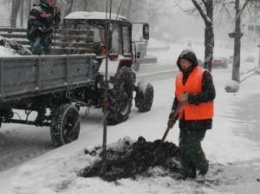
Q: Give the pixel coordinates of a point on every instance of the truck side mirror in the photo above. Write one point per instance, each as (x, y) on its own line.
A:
(146, 31)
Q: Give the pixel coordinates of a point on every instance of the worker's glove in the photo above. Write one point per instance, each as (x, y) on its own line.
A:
(56, 27)
(171, 114)
(46, 15)
(184, 97)
(45, 30)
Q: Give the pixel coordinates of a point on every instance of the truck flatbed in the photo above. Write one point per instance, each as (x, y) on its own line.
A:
(30, 76)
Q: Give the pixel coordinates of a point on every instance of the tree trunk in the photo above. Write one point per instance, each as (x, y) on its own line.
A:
(14, 13)
(207, 16)
(127, 8)
(22, 13)
(69, 7)
(209, 46)
(237, 44)
(29, 6)
(209, 35)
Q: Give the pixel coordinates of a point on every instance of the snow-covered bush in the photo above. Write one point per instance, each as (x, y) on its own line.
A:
(232, 86)
(257, 71)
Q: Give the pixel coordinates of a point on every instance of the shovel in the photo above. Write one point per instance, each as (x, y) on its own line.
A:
(174, 117)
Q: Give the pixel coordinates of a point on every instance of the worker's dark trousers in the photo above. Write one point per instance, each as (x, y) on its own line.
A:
(191, 154)
(41, 46)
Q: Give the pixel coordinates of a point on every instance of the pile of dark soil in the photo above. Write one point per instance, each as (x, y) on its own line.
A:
(135, 159)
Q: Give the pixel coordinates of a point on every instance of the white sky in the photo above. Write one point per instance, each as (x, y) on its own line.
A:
(56, 171)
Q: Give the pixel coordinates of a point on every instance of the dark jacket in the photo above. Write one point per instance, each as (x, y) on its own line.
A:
(39, 26)
(208, 94)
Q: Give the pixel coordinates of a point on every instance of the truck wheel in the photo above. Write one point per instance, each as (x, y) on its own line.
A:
(65, 125)
(144, 96)
(120, 97)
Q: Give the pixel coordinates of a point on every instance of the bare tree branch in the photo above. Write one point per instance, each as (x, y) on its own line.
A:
(204, 2)
(244, 6)
(199, 8)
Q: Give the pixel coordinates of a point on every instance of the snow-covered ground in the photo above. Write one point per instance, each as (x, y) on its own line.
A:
(233, 153)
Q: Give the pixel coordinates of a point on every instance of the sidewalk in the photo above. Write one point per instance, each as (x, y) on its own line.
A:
(237, 113)
(246, 174)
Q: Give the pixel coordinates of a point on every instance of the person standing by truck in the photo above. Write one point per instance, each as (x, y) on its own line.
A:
(44, 18)
(194, 95)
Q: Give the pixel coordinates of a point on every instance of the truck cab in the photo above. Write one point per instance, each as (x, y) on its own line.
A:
(110, 35)
(104, 34)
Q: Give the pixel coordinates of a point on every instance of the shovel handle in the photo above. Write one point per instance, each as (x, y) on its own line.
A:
(175, 117)
(167, 130)
(165, 133)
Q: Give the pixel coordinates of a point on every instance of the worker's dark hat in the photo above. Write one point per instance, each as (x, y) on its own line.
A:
(188, 55)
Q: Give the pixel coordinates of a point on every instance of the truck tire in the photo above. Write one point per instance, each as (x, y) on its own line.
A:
(120, 97)
(65, 125)
(144, 96)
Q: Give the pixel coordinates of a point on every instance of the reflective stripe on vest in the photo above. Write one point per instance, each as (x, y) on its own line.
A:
(193, 85)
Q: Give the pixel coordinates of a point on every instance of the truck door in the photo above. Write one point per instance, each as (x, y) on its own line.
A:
(126, 41)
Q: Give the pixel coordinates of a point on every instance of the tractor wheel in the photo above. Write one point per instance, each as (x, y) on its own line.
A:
(144, 96)
(65, 125)
(120, 97)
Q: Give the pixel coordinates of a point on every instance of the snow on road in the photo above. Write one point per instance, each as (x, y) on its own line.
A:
(234, 157)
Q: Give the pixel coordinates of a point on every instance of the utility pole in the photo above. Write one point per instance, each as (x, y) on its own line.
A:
(106, 102)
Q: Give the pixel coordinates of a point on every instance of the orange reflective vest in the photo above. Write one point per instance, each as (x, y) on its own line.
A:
(193, 85)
